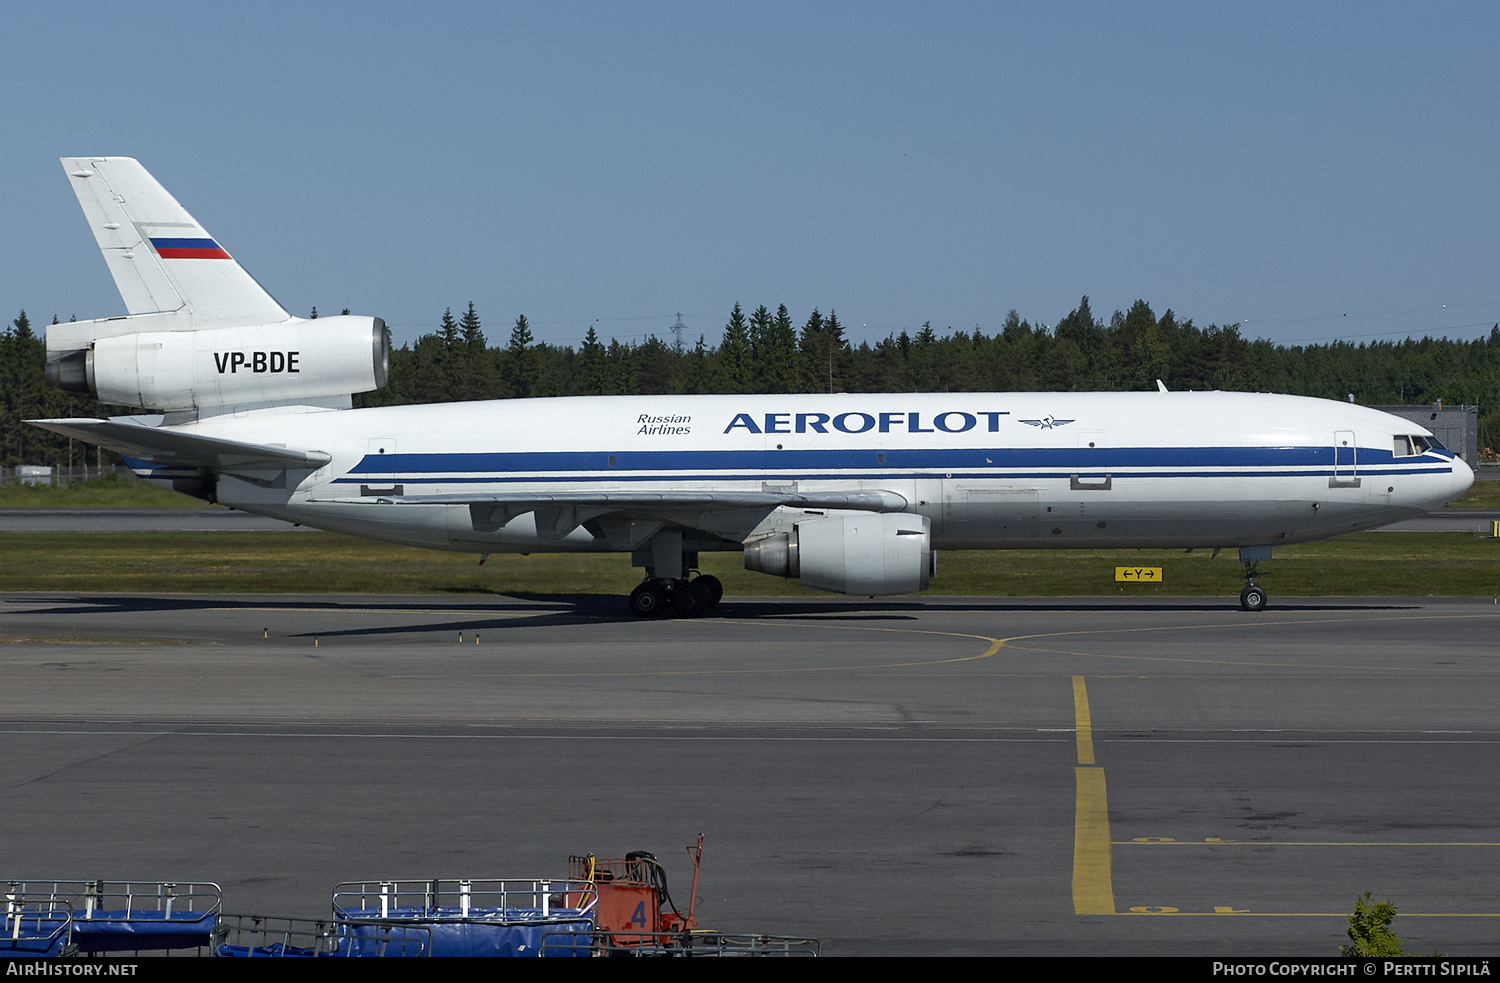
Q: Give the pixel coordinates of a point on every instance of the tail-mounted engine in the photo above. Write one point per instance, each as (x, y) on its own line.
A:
(265, 365)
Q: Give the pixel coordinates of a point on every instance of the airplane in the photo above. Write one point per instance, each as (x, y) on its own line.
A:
(247, 406)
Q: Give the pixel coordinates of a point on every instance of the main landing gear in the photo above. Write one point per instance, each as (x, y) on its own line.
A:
(1253, 597)
(668, 588)
(657, 597)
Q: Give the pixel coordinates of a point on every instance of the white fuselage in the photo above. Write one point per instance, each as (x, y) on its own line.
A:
(990, 470)
(846, 492)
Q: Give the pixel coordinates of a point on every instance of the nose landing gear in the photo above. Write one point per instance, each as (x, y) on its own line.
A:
(1253, 597)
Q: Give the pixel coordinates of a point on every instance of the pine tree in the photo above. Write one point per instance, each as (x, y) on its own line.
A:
(448, 331)
(520, 360)
(655, 367)
(481, 378)
(921, 360)
(810, 354)
(824, 353)
(734, 374)
(622, 374)
(591, 377)
(696, 378)
(760, 336)
(837, 356)
(778, 357)
(469, 328)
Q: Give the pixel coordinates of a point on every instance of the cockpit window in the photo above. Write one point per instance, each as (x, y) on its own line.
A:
(1407, 445)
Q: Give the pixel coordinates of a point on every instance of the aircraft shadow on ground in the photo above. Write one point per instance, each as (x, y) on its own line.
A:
(524, 610)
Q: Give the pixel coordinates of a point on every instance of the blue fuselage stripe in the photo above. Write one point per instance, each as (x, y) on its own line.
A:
(882, 463)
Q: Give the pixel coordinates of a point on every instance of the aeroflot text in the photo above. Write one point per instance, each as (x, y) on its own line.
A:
(954, 421)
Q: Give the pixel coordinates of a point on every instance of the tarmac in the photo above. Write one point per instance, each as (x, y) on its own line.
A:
(1055, 776)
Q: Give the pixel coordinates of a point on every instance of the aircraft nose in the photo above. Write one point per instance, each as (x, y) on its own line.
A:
(1463, 477)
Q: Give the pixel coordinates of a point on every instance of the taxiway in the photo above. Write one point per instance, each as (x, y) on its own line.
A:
(934, 776)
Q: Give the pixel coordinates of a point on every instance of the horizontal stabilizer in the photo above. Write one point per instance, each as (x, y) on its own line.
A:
(172, 448)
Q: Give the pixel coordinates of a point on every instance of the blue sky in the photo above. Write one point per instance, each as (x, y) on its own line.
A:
(1317, 171)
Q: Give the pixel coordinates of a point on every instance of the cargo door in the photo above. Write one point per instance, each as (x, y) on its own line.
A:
(984, 515)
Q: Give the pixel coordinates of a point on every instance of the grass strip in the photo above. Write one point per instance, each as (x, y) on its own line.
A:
(1370, 564)
(112, 491)
(1481, 495)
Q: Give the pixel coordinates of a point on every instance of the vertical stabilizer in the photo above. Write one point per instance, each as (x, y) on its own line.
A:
(160, 257)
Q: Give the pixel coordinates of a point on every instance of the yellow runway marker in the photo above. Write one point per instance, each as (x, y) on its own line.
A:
(1084, 722)
(1093, 886)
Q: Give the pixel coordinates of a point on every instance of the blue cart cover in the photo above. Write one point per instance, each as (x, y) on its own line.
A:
(37, 936)
(484, 932)
(139, 931)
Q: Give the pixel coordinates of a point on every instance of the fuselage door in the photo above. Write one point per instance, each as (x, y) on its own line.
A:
(1093, 463)
(1345, 460)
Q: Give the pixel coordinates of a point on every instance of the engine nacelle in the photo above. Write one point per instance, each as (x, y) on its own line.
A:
(264, 365)
(854, 553)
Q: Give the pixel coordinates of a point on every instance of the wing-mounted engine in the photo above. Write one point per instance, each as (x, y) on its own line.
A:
(263, 365)
(850, 553)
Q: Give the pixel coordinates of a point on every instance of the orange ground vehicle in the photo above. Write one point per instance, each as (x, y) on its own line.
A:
(634, 907)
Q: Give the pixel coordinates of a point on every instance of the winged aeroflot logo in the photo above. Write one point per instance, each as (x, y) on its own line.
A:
(1047, 422)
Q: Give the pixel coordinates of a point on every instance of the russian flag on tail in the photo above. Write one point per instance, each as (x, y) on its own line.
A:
(188, 249)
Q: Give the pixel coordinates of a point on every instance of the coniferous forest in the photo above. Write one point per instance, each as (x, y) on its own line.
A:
(767, 351)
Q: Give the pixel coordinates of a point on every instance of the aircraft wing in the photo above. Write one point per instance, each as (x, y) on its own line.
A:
(171, 448)
(871, 501)
(558, 513)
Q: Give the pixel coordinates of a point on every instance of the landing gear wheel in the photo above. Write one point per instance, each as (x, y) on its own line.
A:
(692, 599)
(714, 586)
(1252, 598)
(649, 600)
